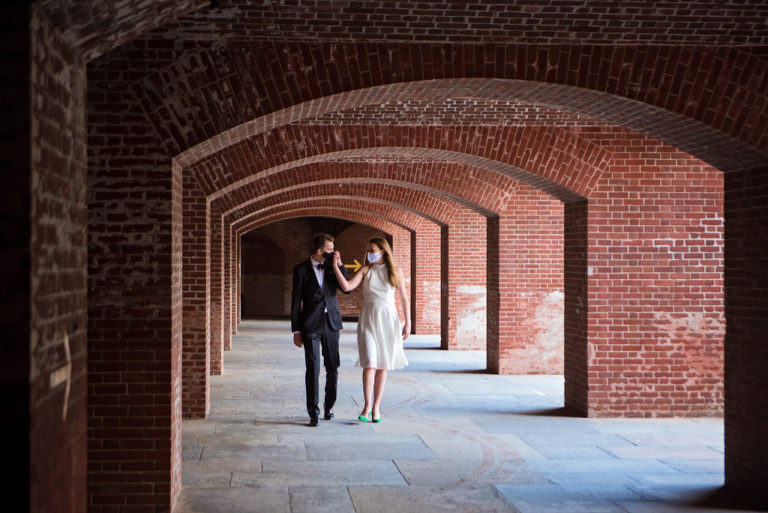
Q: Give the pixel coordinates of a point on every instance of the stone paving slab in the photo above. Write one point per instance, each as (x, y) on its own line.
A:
(290, 451)
(693, 466)
(567, 492)
(676, 487)
(421, 499)
(697, 452)
(556, 468)
(561, 505)
(260, 499)
(320, 499)
(456, 473)
(319, 472)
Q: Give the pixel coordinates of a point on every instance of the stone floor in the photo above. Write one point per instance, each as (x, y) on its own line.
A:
(453, 438)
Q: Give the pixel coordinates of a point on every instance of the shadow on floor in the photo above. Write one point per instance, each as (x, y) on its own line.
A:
(735, 500)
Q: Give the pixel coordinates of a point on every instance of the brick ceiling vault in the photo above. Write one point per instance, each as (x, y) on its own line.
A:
(350, 208)
(574, 106)
(494, 156)
(371, 198)
(213, 80)
(344, 213)
(472, 187)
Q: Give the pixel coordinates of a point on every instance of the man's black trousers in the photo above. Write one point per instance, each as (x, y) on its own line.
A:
(325, 342)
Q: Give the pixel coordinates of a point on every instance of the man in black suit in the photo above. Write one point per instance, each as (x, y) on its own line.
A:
(316, 321)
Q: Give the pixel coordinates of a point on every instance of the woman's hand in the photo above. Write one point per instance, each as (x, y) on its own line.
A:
(336, 259)
(406, 329)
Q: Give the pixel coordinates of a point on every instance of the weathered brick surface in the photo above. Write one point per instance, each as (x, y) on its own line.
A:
(550, 21)
(676, 94)
(57, 286)
(463, 282)
(428, 256)
(530, 284)
(655, 282)
(217, 292)
(134, 306)
(196, 332)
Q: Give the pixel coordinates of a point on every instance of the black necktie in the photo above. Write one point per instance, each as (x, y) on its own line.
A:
(321, 266)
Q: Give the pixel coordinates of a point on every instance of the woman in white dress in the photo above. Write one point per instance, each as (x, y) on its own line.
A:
(379, 332)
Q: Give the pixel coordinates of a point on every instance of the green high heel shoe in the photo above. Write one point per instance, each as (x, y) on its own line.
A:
(364, 418)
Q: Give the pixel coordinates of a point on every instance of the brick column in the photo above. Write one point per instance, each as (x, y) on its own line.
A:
(401, 247)
(576, 307)
(196, 288)
(427, 290)
(217, 292)
(746, 352)
(226, 306)
(237, 280)
(43, 260)
(134, 305)
(465, 282)
(530, 285)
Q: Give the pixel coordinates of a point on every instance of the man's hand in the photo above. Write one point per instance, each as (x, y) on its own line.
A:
(297, 339)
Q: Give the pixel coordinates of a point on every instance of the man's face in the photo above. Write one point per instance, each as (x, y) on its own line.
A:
(328, 247)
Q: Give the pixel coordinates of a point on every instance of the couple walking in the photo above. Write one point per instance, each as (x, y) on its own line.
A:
(316, 321)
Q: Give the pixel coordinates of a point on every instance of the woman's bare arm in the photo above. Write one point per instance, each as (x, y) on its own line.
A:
(354, 281)
(404, 304)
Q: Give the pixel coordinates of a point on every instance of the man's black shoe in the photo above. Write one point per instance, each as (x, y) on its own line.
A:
(314, 422)
(329, 415)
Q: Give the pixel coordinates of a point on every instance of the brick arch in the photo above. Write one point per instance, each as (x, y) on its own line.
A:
(556, 161)
(395, 199)
(470, 186)
(94, 29)
(699, 100)
(359, 183)
(710, 144)
(347, 214)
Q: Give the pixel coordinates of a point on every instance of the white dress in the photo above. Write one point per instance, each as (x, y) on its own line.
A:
(379, 333)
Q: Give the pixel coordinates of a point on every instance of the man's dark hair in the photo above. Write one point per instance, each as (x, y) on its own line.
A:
(318, 241)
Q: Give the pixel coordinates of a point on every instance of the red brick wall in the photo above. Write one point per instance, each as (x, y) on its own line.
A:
(655, 279)
(196, 331)
(530, 311)
(134, 303)
(427, 293)
(217, 292)
(463, 282)
(57, 320)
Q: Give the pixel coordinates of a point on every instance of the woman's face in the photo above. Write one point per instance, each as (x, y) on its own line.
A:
(373, 249)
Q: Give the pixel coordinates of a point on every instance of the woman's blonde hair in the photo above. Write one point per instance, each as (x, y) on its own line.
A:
(392, 269)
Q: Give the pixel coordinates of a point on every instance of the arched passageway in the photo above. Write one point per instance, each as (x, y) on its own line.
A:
(139, 129)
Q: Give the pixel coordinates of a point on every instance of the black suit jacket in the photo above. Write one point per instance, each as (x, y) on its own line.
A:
(309, 300)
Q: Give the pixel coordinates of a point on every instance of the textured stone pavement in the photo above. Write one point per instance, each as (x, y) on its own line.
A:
(453, 438)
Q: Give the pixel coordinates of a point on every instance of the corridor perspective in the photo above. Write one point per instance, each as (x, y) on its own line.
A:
(453, 438)
(576, 193)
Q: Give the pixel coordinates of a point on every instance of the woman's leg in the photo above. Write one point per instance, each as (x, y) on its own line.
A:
(378, 390)
(368, 379)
